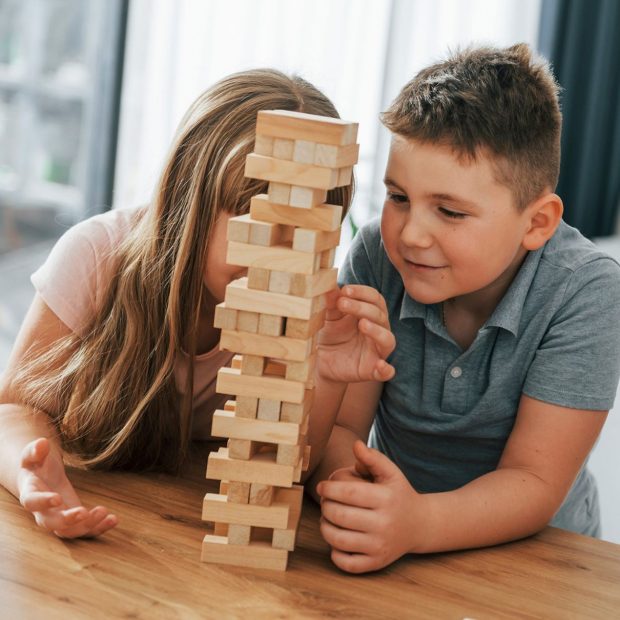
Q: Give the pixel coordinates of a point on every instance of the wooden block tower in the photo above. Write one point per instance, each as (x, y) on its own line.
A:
(270, 319)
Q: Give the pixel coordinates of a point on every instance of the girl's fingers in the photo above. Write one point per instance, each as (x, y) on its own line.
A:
(35, 453)
(37, 501)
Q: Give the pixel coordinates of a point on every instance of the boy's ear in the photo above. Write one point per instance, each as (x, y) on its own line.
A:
(544, 216)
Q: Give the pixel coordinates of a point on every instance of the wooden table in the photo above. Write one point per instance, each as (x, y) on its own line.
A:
(148, 567)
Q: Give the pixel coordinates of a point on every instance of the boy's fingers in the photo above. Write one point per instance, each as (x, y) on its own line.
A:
(363, 310)
(348, 517)
(383, 371)
(362, 494)
(353, 562)
(383, 338)
(37, 501)
(104, 525)
(343, 539)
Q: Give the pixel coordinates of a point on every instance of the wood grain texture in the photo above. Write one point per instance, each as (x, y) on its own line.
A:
(149, 567)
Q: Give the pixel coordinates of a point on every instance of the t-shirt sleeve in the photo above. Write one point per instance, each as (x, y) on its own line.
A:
(577, 364)
(361, 264)
(67, 280)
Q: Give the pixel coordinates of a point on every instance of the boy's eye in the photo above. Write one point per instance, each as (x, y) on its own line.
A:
(452, 214)
(398, 198)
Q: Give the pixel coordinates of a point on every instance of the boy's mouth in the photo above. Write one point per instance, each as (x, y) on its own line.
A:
(422, 266)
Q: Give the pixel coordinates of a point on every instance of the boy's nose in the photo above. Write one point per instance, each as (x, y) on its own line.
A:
(416, 232)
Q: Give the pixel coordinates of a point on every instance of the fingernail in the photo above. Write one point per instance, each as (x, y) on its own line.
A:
(55, 501)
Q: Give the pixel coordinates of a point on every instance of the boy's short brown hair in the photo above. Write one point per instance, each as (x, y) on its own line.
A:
(503, 102)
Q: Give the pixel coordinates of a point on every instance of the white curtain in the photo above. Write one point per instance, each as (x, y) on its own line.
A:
(359, 52)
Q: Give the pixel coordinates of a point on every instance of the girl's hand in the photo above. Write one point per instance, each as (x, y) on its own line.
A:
(45, 491)
(356, 338)
(371, 515)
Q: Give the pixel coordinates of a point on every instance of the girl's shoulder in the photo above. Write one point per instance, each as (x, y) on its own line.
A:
(74, 276)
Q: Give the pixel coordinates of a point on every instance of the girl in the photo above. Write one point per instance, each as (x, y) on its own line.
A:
(117, 357)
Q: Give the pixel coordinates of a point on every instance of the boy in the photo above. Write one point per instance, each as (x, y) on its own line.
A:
(505, 319)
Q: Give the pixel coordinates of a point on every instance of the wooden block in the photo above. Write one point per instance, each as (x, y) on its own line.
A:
(239, 534)
(283, 148)
(270, 325)
(226, 424)
(283, 348)
(258, 279)
(231, 381)
(285, 538)
(242, 298)
(216, 508)
(263, 145)
(268, 409)
(262, 468)
(238, 492)
(302, 126)
(303, 152)
(236, 362)
(323, 217)
(241, 448)
(246, 407)
(280, 282)
(345, 175)
(230, 405)
(290, 172)
(221, 529)
(275, 368)
(261, 494)
(306, 459)
(247, 321)
(282, 258)
(318, 283)
(255, 555)
(306, 197)
(295, 412)
(308, 240)
(300, 328)
(252, 365)
(327, 259)
(301, 371)
(225, 318)
(238, 228)
(332, 156)
(279, 193)
(289, 454)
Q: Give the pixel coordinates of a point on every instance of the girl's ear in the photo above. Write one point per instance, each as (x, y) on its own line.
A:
(544, 216)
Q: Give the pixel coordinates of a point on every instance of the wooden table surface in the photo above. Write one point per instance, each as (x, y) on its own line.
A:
(148, 567)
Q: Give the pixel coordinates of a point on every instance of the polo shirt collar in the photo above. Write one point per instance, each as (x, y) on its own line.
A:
(507, 314)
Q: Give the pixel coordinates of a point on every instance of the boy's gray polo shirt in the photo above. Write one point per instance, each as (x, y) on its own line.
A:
(555, 335)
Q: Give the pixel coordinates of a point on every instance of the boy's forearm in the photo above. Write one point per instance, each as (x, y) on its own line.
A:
(338, 453)
(504, 505)
(19, 426)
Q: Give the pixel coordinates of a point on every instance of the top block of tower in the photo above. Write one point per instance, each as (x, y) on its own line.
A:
(300, 126)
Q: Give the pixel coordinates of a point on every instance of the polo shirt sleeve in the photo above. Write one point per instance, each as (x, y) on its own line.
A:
(362, 262)
(577, 364)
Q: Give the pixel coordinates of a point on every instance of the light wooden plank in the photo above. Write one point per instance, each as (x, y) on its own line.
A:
(215, 549)
(302, 126)
(283, 148)
(323, 217)
(309, 240)
(262, 494)
(240, 535)
(332, 156)
(226, 424)
(268, 409)
(225, 318)
(231, 381)
(302, 328)
(258, 279)
(279, 193)
(244, 299)
(262, 468)
(293, 349)
(280, 257)
(217, 508)
(263, 145)
(290, 172)
(303, 152)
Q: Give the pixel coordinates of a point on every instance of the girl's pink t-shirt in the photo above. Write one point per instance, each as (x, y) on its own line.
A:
(73, 279)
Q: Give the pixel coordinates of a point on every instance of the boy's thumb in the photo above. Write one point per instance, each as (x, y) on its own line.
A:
(372, 463)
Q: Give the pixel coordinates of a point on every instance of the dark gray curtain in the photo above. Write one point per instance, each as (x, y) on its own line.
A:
(581, 38)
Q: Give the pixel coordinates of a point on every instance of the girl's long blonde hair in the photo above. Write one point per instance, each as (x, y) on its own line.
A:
(115, 402)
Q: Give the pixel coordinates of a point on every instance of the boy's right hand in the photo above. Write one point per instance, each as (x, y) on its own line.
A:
(356, 338)
(45, 490)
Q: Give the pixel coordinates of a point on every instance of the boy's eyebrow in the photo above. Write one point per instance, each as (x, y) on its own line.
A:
(439, 196)
(453, 199)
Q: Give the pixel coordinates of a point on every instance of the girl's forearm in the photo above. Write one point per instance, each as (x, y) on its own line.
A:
(504, 505)
(327, 402)
(19, 426)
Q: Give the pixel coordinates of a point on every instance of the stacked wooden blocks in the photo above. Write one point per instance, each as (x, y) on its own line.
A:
(270, 319)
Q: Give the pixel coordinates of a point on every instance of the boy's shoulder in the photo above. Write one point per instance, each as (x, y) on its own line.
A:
(569, 249)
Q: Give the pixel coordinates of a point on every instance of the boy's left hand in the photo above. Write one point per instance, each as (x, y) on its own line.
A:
(371, 515)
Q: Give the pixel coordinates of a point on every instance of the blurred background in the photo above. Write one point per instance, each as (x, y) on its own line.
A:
(91, 92)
